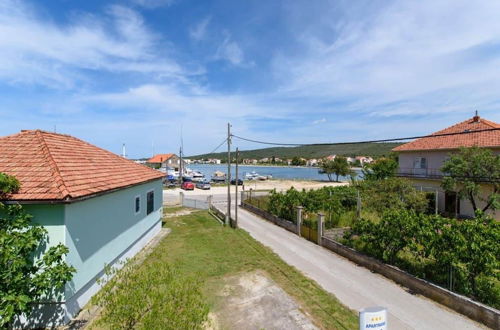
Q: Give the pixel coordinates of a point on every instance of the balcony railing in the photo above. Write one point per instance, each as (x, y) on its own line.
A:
(431, 173)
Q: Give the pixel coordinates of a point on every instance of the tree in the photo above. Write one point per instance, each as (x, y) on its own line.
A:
(380, 169)
(296, 161)
(392, 193)
(338, 166)
(469, 169)
(27, 275)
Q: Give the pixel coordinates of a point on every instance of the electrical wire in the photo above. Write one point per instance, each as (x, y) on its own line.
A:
(220, 145)
(367, 141)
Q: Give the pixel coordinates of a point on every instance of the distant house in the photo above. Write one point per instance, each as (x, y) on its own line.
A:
(103, 207)
(421, 160)
(351, 160)
(250, 161)
(331, 157)
(364, 160)
(171, 161)
(214, 161)
(264, 160)
(312, 162)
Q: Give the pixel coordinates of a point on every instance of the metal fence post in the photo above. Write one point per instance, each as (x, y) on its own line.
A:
(436, 201)
(321, 220)
(181, 194)
(209, 201)
(358, 206)
(299, 219)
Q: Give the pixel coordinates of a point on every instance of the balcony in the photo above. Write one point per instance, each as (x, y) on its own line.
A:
(427, 173)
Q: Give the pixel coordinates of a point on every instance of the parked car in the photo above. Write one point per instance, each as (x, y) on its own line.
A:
(240, 182)
(205, 185)
(171, 184)
(188, 185)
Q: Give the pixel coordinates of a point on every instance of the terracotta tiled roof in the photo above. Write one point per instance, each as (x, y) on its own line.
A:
(159, 158)
(480, 139)
(53, 166)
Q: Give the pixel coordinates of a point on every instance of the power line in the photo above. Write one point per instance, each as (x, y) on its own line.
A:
(367, 141)
(220, 145)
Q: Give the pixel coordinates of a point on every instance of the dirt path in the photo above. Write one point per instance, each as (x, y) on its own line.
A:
(253, 301)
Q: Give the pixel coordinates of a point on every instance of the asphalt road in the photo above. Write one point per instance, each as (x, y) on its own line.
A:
(354, 286)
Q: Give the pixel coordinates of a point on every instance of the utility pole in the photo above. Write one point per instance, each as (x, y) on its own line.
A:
(228, 215)
(180, 165)
(236, 191)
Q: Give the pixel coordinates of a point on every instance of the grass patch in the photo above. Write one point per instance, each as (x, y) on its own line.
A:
(199, 245)
(187, 269)
(172, 209)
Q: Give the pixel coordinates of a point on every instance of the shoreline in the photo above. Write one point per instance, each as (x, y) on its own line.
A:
(274, 166)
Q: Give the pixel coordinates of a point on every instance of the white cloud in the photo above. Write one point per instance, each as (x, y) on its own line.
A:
(150, 4)
(319, 121)
(230, 51)
(431, 56)
(33, 50)
(199, 30)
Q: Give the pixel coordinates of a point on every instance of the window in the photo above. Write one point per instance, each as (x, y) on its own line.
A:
(420, 162)
(137, 204)
(151, 202)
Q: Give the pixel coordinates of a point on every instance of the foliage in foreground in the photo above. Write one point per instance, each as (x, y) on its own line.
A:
(433, 247)
(466, 170)
(340, 202)
(28, 273)
(380, 169)
(153, 296)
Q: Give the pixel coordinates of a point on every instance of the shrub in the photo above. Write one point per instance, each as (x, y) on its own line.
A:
(153, 296)
(436, 248)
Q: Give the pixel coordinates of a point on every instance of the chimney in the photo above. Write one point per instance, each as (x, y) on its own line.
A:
(476, 118)
(124, 152)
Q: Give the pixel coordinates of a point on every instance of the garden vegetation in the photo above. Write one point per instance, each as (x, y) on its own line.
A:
(29, 273)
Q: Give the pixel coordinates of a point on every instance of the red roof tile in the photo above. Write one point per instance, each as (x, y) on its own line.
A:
(479, 139)
(53, 166)
(159, 158)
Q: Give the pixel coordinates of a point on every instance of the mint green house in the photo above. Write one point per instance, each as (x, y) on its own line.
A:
(103, 207)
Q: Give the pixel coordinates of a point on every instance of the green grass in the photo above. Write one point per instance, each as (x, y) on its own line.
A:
(173, 209)
(200, 246)
(188, 268)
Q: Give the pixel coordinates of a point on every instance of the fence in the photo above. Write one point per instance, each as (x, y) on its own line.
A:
(474, 310)
(195, 203)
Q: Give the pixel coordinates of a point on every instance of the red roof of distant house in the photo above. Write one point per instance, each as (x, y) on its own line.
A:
(479, 139)
(160, 158)
(60, 167)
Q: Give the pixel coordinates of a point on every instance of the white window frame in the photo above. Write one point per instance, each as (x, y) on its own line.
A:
(135, 199)
(417, 163)
(147, 192)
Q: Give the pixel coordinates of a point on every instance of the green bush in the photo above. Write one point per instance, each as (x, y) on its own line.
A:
(153, 296)
(463, 252)
(392, 193)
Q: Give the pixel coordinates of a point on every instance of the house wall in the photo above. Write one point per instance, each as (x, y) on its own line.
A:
(435, 159)
(99, 229)
(465, 206)
(52, 218)
(173, 162)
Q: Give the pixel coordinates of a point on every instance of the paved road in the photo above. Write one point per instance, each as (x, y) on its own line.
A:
(354, 286)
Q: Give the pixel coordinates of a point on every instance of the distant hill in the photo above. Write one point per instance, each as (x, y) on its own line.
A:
(308, 152)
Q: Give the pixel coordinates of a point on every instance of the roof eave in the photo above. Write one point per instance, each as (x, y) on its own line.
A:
(69, 200)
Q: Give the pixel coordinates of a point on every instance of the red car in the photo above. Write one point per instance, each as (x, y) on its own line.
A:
(188, 185)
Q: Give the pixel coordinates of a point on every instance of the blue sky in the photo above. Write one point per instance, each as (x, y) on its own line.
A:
(138, 71)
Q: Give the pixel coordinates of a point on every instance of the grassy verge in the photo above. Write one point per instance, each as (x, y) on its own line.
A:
(199, 245)
(200, 248)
